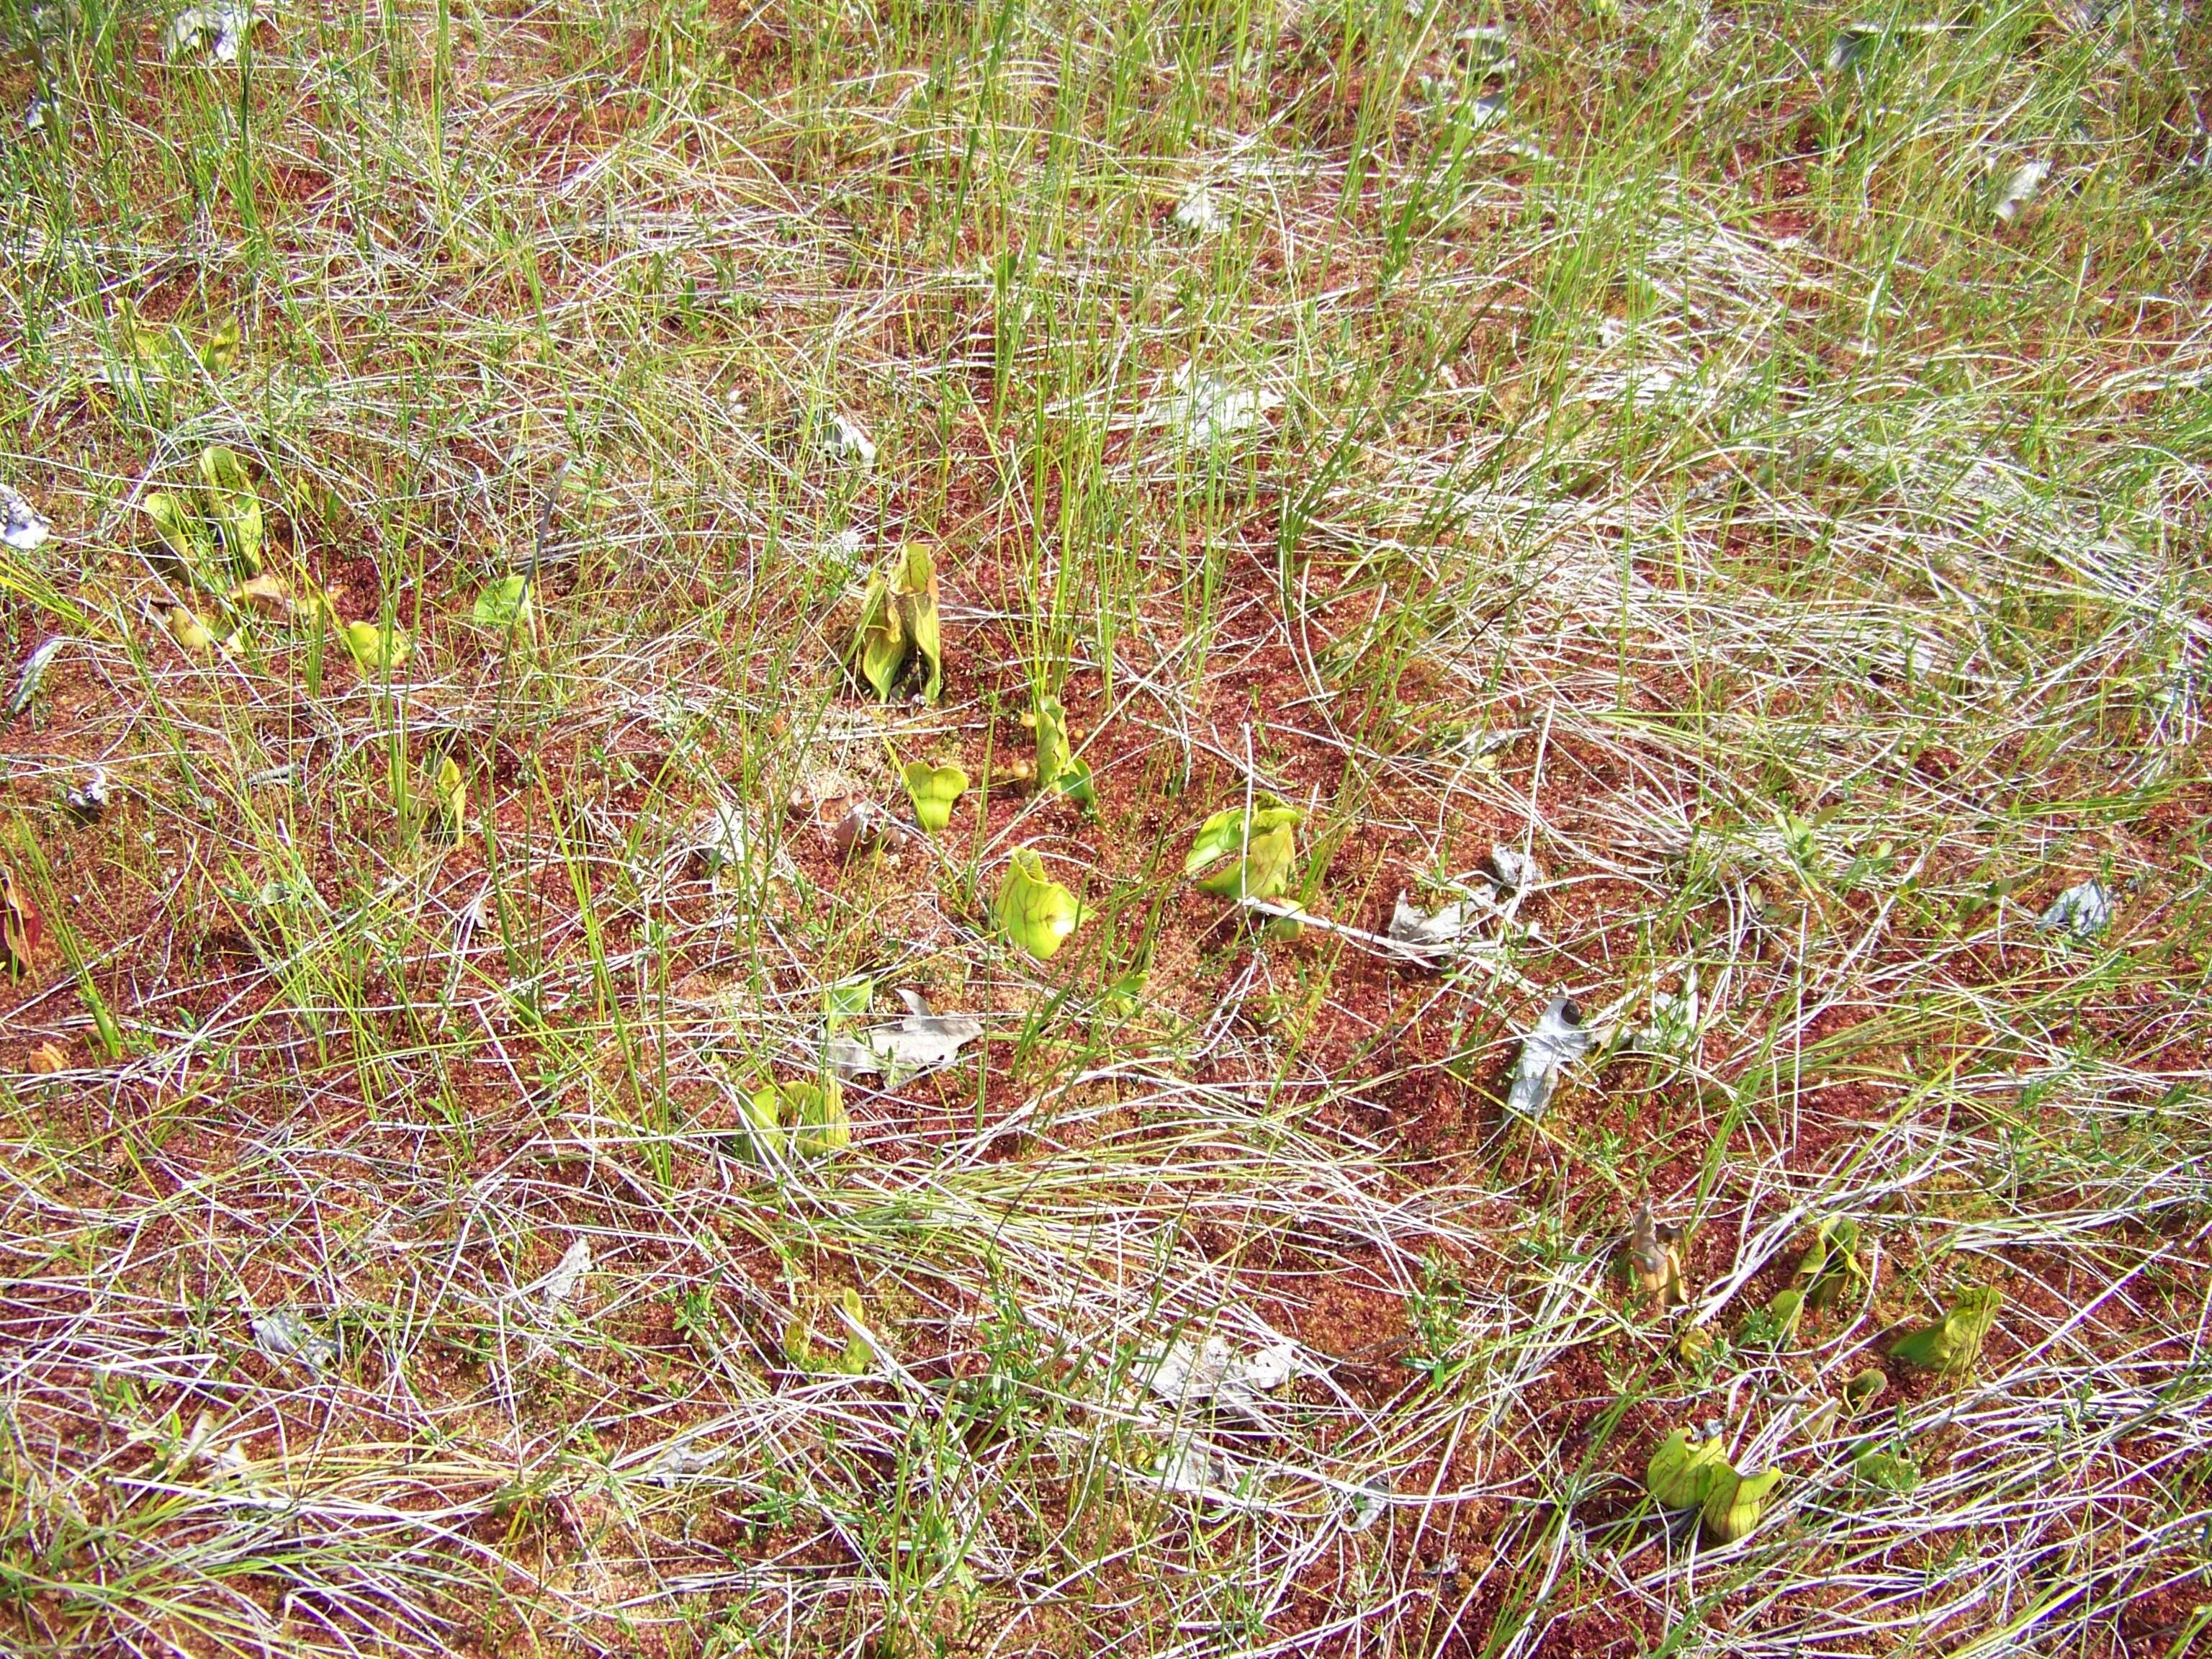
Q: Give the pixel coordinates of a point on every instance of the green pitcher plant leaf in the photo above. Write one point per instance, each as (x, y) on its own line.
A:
(933, 790)
(760, 1118)
(856, 1357)
(234, 506)
(1886, 1471)
(1654, 1258)
(1057, 768)
(220, 355)
(1864, 1389)
(1034, 911)
(1832, 1264)
(815, 1115)
(1735, 1502)
(1682, 1472)
(377, 650)
(1244, 855)
(451, 790)
(182, 533)
(847, 1001)
(1950, 1346)
(504, 602)
(898, 635)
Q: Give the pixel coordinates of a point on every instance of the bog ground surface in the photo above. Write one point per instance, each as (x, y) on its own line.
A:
(1707, 502)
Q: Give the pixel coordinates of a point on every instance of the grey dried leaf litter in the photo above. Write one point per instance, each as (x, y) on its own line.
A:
(90, 798)
(285, 1334)
(1205, 410)
(1209, 1371)
(23, 526)
(1516, 872)
(1559, 1038)
(34, 671)
(1198, 213)
(1441, 928)
(846, 441)
(219, 30)
(568, 1275)
(924, 1042)
(2084, 910)
(2020, 188)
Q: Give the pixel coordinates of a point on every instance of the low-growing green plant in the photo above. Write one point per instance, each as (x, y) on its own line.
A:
(898, 641)
(933, 790)
(1033, 911)
(1950, 1346)
(215, 530)
(1246, 855)
(1058, 769)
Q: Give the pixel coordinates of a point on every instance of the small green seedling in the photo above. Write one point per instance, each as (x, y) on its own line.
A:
(1950, 1346)
(933, 789)
(1258, 845)
(898, 635)
(1034, 911)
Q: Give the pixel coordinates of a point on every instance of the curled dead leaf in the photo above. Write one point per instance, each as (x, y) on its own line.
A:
(22, 929)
